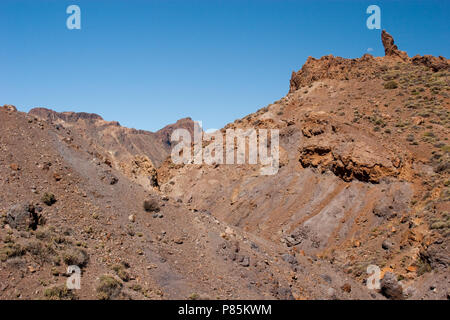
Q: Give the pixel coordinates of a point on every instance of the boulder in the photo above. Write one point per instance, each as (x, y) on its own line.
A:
(390, 287)
(22, 216)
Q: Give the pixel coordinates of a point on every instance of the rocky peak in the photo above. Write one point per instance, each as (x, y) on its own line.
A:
(165, 133)
(390, 49)
(10, 107)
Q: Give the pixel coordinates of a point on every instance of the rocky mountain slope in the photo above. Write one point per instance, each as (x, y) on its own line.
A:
(363, 180)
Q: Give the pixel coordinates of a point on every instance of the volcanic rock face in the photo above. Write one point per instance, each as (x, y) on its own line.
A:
(363, 180)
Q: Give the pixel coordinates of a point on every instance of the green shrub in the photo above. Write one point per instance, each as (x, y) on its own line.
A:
(75, 256)
(121, 272)
(423, 267)
(40, 251)
(59, 293)
(108, 288)
(11, 250)
(194, 296)
(48, 198)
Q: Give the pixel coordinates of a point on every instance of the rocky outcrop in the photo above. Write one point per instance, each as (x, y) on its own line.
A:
(47, 114)
(434, 63)
(436, 254)
(345, 152)
(365, 68)
(10, 107)
(390, 49)
(141, 170)
(330, 67)
(347, 166)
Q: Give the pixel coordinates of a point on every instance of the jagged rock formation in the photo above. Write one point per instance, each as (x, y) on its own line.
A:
(390, 49)
(364, 69)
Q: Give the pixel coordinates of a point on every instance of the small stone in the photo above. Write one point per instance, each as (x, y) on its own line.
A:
(229, 231)
(289, 258)
(411, 269)
(346, 288)
(331, 293)
(244, 261)
(14, 166)
(387, 244)
(132, 218)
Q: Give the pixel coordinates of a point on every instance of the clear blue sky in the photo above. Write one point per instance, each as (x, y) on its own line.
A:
(148, 63)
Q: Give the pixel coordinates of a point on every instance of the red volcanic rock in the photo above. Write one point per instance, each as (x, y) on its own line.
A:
(390, 49)
(10, 107)
(434, 63)
(331, 67)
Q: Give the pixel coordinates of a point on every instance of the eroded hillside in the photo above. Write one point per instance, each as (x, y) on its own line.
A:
(363, 175)
(363, 180)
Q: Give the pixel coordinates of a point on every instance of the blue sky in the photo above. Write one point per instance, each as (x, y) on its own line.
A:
(148, 63)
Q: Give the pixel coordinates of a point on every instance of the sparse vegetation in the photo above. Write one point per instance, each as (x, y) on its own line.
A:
(121, 272)
(109, 288)
(75, 256)
(48, 198)
(390, 85)
(11, 250)
(423, 267)
(194, 296)
(59, 293)
(42, 253)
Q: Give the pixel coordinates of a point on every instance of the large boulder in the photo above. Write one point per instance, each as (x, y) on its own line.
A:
(390, 287)
(437, 255)
(22, 216)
